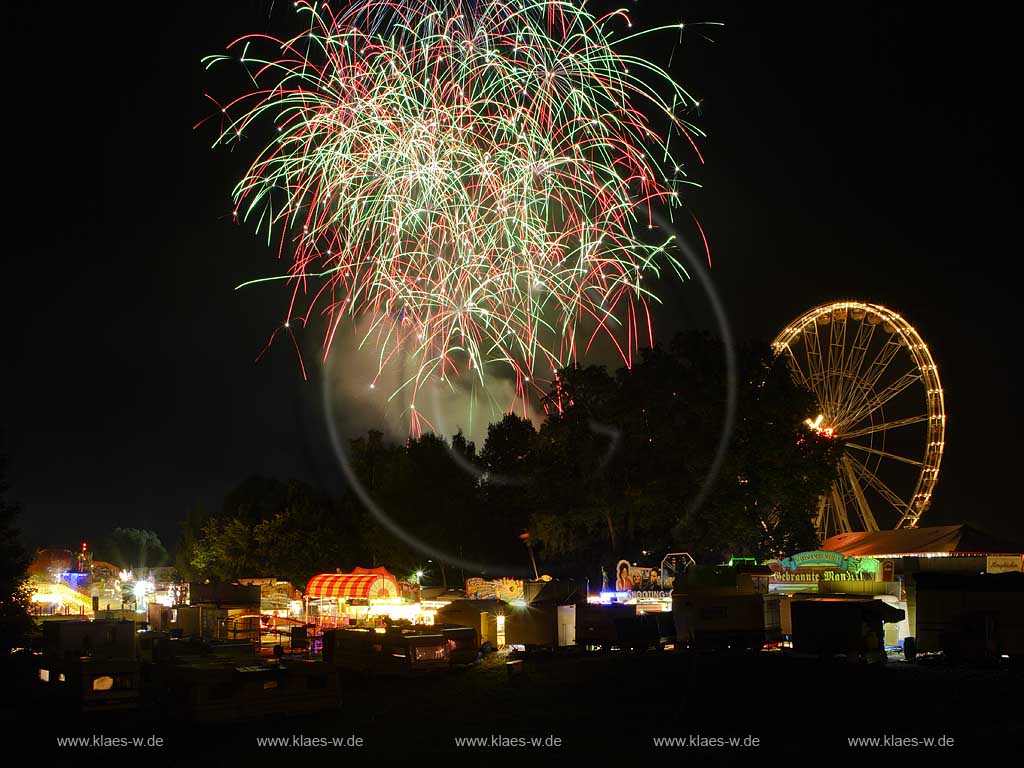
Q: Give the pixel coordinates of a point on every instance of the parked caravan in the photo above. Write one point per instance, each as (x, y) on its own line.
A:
(91, 666)
(968, 617)
(222, 690)
(463, 645)
(842, 627)
(392, 652)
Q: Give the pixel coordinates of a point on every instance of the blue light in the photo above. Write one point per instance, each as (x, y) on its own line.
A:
(74, 579)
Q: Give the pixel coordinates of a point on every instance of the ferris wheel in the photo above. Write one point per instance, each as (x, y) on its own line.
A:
(878, 392)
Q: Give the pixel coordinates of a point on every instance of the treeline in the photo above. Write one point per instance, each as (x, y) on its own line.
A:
(15, 621)
(617, 469)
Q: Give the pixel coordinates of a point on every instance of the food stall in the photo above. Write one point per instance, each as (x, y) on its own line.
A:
(366, 596)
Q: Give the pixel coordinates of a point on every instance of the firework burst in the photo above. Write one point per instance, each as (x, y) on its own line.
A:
(473, 181)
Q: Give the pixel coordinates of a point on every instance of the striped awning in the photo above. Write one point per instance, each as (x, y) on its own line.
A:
(366, 586)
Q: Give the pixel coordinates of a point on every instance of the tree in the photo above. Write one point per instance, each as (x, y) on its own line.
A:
(434, 498)
(15, 620)
(380, 470)
(287, 531)
(574, 515)
(621, 463)
(256, 498)
(431, 490)
(191, 530)
(300, 540)
(616, 470)
(505, 494)
(225, 550)
(775, 470)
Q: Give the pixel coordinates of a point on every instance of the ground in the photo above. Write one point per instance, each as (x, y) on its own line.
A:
(618, 703)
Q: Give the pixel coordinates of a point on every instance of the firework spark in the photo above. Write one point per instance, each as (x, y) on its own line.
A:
(475, 181)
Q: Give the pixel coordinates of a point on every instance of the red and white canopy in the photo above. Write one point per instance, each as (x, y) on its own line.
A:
(366, 586)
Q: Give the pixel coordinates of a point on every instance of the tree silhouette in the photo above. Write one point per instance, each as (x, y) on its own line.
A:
(614, 471)
(15, 621)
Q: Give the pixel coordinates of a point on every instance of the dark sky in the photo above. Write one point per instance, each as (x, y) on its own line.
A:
(853, 152)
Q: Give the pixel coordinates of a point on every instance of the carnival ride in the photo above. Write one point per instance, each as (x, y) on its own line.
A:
(878, 393)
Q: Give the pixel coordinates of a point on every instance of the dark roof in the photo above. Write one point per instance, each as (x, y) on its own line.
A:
(830, 603)
(951, 539)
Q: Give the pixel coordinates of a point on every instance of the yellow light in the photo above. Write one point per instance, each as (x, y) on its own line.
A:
(45, 597)
(103, 683)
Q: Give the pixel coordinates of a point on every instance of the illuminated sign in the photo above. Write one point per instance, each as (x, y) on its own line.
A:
(810, 568)
(651, 595)
(1003, 563)
(812, 577)
(635, 578)
(822, 559)
(642, 596)
(498, 589)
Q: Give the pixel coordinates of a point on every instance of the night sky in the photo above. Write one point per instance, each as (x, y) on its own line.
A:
(864, 155)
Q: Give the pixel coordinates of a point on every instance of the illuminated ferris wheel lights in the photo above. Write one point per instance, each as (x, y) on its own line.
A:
(856, 373)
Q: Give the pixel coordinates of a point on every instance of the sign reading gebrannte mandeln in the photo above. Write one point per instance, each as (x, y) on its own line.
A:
(820, 565)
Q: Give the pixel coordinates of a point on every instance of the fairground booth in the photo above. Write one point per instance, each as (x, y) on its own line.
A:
(647, 588)
(521, 613)
(363, 597)
(888, 566)
(962, 588)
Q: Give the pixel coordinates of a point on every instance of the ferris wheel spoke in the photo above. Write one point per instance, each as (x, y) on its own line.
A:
(881, 488)
(794, 366)
(869, 405)
(828, 372)
(842, 519)
(878, 367)
(821, 517)
(866, 515)
(837, 355)
(885, 426)
(815, 370)
(886, 454)
(855, 358)
(834, 361)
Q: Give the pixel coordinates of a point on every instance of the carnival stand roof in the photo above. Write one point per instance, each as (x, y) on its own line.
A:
(943, 539)
(870, 607)
(365, 586)
(380, 570)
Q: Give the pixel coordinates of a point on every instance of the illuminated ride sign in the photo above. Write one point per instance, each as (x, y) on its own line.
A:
(819, 565)
(496, 589)
(630, 596)
(635, 578)
(635, 583)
